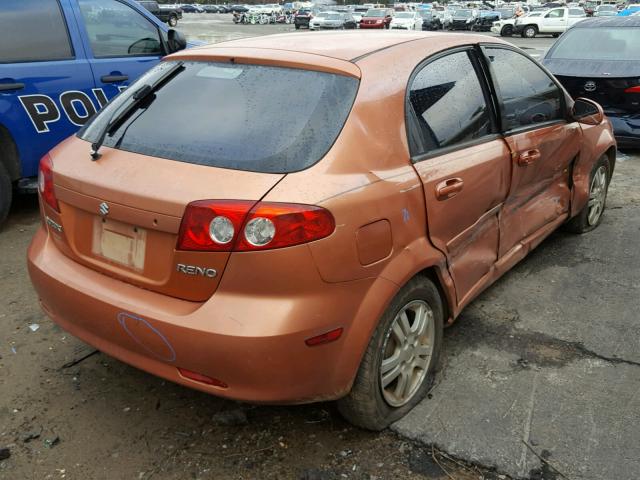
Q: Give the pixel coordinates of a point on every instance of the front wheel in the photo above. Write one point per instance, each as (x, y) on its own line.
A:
(5, 194)
(591, 215)
(173, 21)
(506, 31)
(397, 368)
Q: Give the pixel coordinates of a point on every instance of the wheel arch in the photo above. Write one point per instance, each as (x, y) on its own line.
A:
(9, 153)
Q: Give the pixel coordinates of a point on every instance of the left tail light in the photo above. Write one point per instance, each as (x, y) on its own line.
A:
(45, 182)
(229, 225)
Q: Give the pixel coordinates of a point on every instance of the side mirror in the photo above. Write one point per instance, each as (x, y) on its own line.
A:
(176, 40)
(587, 112)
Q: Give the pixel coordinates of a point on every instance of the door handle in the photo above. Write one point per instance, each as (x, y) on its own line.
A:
(114, 78)
(528, 157)
(449, 188)
(5, 87)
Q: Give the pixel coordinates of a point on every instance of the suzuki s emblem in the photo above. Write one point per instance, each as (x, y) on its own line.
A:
(590, 86)
(103, 209)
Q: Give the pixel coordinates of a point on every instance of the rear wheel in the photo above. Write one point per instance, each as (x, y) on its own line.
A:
(591, 215)
(530, 31)
(5, 194)
(397, 368)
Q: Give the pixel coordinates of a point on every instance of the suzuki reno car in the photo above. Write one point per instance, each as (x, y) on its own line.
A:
(279, 248)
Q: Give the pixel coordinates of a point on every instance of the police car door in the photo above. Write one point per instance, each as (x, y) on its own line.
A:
(122, 42)
(45, 80)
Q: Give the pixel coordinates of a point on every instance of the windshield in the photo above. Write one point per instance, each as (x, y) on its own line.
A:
(334, 16)
(607, 8)
(404, 15)
(375, 13)
(613, 43)
(462, 13)
(243, 117)
(322, 14)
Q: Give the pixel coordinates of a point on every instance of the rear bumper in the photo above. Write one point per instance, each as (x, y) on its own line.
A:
(255, 343)
(626, 129)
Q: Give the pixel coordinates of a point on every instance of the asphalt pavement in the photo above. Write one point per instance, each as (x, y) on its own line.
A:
(541, 374)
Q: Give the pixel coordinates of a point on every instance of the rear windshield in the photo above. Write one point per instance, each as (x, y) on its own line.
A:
(242, 117)
(376, 13)
(612, 43)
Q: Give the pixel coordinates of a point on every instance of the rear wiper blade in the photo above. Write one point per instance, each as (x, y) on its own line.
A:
(139, 95)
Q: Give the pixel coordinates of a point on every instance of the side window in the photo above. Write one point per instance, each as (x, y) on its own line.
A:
(33, 31)
(446, 105)
(577, 12)
(527, 95)
(117, 30)
(555, 14)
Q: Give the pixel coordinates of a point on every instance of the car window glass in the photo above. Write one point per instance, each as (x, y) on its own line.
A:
(33, 30)
(577, 12)
(600, 43)
(117, 30)
(527, 95)
(447, 104)
(242, 117)
(555, 14)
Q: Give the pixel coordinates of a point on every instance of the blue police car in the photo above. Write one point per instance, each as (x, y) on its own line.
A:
(60, 62)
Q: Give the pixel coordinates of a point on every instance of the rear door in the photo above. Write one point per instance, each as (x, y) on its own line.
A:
(45, 80)
(462, 162)
(554, 21)
(542, 142)
(122, 43)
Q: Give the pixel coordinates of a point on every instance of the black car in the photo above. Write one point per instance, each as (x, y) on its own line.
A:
(430, 20)
(484, 20)
(223, 9)
(302, 18)
(237, 9)
(211, 8)
(599, 59)
(165, 14)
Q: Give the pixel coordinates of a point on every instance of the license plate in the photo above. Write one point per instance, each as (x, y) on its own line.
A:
(119, 242)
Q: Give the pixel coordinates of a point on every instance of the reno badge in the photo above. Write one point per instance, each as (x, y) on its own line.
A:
(103, 209)
(590, 86)
(196, 271)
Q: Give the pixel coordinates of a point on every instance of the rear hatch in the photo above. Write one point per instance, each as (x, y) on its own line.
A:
(208, 131)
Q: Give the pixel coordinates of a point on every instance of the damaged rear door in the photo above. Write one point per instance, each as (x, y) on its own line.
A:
(542, 142)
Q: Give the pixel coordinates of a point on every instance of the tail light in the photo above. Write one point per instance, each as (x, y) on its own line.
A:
(45, 182)
(635, 89)
(230, 225)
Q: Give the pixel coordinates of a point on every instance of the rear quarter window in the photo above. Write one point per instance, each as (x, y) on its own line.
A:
(243, 117)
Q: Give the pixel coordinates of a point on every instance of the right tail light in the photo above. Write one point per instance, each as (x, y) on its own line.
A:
(241, 226)
(45, 182)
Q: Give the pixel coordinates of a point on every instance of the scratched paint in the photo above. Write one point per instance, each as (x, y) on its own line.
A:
(147, 336)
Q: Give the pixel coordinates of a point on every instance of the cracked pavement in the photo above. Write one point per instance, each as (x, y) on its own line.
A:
(541, 375)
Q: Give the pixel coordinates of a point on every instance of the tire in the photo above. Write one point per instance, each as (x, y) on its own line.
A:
(507, 31)
(530, 31)
(6, 193)
(367, 406)
(297, 27)
(585, 221)
(556, 35)
(173, 21)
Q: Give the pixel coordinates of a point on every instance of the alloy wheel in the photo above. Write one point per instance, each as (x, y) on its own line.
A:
(407, 353)
(597, 195)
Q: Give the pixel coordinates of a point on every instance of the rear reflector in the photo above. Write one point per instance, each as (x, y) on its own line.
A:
(238, 225)
(199, 377)
(331, 336)
(635, 89)
(45, 182)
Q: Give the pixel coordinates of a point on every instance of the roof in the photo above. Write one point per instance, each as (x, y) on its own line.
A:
(608, 22)
(340, 45)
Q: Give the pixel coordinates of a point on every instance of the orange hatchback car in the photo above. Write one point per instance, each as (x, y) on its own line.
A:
(294, 218)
